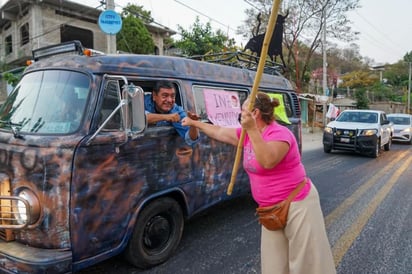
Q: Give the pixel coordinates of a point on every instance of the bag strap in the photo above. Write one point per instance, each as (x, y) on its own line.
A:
(295, 191)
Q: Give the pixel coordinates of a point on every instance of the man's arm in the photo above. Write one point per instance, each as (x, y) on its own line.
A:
(153, 118)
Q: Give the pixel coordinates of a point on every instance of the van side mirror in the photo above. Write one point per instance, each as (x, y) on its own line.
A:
(135, 113)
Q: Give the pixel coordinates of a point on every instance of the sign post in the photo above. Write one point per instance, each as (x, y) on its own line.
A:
(110, 23)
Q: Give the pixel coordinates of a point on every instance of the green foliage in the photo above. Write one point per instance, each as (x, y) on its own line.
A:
(362, 101)
(303, 32)
(138, 12)
(11, 78)
(201, 40)
(134, 36)
(408, 57)
(382, 92)
(359, 79)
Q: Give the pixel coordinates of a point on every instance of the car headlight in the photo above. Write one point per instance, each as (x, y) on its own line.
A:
(368, 132)
(27, 208)
(406, 130)
(328, 130)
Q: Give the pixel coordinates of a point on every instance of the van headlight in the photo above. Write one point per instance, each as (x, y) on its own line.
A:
(27, 207)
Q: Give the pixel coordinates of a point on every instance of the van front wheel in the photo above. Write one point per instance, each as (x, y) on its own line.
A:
(157, 233)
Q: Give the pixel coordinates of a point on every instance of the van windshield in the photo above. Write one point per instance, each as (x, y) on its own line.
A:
(46, 102)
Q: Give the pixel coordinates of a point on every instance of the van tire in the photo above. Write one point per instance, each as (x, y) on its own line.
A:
(157, 233)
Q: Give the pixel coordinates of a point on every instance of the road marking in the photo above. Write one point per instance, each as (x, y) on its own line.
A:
(346, 240)
(344, 206)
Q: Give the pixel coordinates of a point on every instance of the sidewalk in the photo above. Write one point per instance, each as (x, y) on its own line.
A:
(312, 140)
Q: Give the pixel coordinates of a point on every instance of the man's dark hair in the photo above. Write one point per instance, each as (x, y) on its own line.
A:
(162, 84)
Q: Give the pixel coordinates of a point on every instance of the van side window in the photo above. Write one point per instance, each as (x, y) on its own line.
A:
(284, 110)
(201, 106)
(148, 89)
(111, 100)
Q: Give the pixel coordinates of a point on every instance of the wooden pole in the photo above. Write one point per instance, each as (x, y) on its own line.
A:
(262, 60)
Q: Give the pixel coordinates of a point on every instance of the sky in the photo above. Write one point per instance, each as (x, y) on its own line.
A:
(384, 26)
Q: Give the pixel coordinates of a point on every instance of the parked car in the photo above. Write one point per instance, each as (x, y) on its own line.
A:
(362, 131)
(402, 124)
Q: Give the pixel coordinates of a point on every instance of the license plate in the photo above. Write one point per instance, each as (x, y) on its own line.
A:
(345, 140)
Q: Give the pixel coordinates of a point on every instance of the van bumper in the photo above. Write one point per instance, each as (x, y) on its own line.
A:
(19, 258)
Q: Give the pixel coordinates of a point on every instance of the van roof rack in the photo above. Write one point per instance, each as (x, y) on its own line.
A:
(69, 47)
(240, 59)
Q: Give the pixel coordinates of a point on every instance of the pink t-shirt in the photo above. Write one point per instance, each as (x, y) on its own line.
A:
(270, 186)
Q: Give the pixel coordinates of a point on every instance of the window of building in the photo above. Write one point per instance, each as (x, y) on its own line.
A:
(24, 34)
(8, 44)
(70, 33)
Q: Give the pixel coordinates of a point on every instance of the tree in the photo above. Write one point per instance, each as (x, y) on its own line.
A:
(304, 25)
(11, 78)
(362, 101)
(397, 74)
(201, 40)
(408, 57)
(134, 36)
(359, 79)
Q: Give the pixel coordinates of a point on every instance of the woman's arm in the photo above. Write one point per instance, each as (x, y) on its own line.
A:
(222, 134)
(268, 154)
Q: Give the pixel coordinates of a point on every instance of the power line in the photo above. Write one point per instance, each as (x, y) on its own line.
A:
(379, 42)
(152, 21)
(207, 16)
(252, 5)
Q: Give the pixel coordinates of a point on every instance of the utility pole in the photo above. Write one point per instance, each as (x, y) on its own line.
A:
(111, 38)
(324, 82)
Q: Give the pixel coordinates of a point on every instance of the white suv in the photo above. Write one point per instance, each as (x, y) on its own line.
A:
(363, 131)
(402, 124)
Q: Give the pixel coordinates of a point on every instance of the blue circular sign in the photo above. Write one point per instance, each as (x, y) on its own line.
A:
(110, 22)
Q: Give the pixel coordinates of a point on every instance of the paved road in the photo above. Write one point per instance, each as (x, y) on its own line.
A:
(367, 208)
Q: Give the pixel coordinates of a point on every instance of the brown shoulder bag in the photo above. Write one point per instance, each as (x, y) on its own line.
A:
(275, 217)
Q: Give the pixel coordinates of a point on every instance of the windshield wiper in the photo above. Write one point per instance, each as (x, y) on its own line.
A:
(14, 129)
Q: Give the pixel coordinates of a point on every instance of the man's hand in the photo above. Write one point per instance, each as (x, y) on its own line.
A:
(173, 118)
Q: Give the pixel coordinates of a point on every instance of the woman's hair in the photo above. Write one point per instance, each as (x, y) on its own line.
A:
(266, 105)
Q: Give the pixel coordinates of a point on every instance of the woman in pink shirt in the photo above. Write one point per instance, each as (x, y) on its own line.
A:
(272, 160)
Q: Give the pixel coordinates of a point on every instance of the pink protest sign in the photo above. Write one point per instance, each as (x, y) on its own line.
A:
(222, 107)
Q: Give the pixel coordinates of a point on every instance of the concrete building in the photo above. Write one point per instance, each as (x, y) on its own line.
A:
(30, 24)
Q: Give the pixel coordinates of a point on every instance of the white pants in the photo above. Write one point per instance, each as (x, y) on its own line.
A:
(302, 247)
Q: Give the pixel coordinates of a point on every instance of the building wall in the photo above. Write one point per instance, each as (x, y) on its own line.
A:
(45, 29)
(43, 32)
(49, 30)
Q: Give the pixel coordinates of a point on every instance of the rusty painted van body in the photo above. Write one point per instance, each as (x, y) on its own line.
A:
(79, 188)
